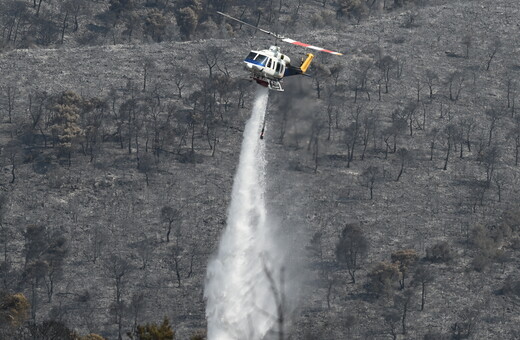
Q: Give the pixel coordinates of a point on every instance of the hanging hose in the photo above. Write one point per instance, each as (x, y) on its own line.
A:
(263, 129)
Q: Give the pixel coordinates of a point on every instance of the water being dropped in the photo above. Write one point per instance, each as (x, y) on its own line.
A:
(239, 295)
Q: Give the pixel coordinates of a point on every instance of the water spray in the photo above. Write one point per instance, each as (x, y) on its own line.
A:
(239, 294)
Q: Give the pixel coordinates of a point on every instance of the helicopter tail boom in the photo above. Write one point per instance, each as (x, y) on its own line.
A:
(307, 62)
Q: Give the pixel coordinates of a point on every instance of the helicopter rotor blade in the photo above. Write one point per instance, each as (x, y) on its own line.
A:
(294, 42)
(282, 38)
(252, 26)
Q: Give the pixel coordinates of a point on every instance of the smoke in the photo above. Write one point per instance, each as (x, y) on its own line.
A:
(245, 279)
(298, 112)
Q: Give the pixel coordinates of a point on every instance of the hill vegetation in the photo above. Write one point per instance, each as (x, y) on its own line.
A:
(395, 168)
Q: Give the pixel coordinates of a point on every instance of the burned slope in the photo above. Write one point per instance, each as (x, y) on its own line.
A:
(123, 159)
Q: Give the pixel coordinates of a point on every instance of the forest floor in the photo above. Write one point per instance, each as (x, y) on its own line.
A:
(105, 208)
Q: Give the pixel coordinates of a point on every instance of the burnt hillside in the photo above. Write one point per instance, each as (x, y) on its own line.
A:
(393, 169)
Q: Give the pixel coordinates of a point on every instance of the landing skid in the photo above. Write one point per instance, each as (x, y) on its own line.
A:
(275, 85)
(269, 83)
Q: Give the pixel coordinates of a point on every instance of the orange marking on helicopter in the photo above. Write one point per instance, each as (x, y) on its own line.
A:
(301, 44)
(268, 67)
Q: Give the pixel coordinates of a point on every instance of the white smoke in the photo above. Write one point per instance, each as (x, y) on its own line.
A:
(239, 292)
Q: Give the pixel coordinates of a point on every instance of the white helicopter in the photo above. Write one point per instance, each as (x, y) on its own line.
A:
(269, 67)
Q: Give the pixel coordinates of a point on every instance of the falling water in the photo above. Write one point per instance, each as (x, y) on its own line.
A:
(240, 302)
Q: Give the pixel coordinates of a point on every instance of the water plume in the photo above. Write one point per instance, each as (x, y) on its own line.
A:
(241, 276)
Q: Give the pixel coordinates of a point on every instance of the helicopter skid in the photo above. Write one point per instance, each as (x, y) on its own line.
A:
(269, 83)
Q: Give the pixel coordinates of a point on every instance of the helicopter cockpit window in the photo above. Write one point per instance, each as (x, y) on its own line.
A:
(269, 64)
(261, 59)
(251, 56)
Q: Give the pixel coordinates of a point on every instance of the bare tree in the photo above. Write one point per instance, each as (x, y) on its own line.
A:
(399, 67)
(494, 114)
(10, 95)
(16, 18)
(352, 134)
(33, 275)
(180, 74)
(391, 319)
(333, 103)
(467, 41)
(6, 238)
(494, 46)
(37, 4)
(514, 135)
(351, 249)
(385, 65)
(464, 328)
(391, 134)
(331, 282)
(500, 179)
(409, 113)
(145, 164)
(315, 145)
(455, 84)
(75, 7)
(144, 249)
(434, 135)
(135, 309)
(170, 215)
(431, 80)
(176, 254)
(12, 155)
(98, 240)
(490, 159)
(402, 304)
(359, 80)
(278, 289)
(66, 9)
(467, 126)
(117, 269)
(418, 88)
(55, 255)
(94, 123)
(404, 157)
(322, 74)
(511, 87)
(369, 177)
(422, 277)
(335, 72)
(369, 129)
(450, 131)
(211, 56)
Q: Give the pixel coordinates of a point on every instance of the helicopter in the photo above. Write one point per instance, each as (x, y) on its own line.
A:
(268, 67)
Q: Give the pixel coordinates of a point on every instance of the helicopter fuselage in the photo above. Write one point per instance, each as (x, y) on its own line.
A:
(267, 63)
(268, 67)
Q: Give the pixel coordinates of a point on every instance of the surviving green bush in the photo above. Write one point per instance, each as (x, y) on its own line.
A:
(156, 332)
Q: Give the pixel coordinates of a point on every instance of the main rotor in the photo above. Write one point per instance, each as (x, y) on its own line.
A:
(280, 37)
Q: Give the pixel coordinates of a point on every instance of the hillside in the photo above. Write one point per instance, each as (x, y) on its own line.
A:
(118, 161)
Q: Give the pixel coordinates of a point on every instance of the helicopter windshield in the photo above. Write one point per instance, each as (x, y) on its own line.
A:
(251, 56)
(256, 58)
(262, 59)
